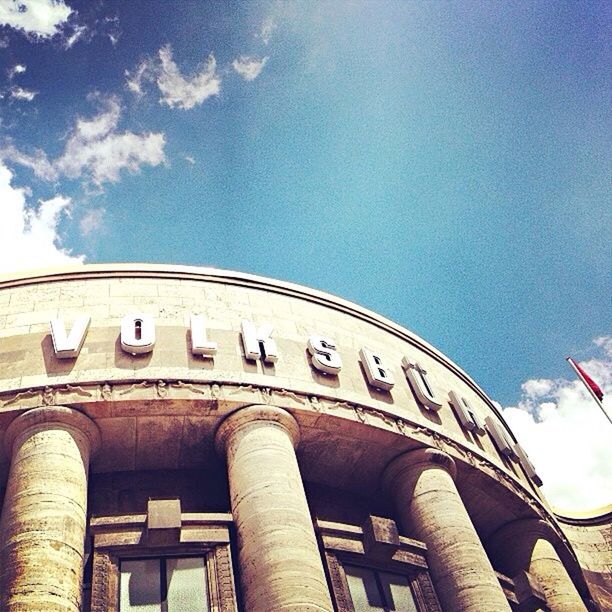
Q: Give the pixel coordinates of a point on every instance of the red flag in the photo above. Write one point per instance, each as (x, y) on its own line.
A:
(587, 380)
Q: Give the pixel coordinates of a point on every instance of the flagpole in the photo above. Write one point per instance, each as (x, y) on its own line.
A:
(584, 382)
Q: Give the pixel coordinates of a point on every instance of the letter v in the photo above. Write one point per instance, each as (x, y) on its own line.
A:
(68, 346)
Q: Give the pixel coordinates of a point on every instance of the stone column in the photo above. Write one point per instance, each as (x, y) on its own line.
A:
(280, 563)
(527, 545)
(42, 530)
(429, 507)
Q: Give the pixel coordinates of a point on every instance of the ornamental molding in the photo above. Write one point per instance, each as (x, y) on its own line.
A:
(234, 393)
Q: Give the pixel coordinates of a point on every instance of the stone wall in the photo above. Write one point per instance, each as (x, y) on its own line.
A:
(180, 426)
(591, 538)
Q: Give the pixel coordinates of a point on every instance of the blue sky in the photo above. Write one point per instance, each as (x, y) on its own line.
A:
(445, 164)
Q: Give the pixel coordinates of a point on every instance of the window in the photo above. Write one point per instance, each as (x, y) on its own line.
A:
(371, 568)
(379, 591)
(137, 567)
(170, 584)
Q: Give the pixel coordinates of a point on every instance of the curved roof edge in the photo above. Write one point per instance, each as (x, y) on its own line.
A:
(148, 270)
(594, 516)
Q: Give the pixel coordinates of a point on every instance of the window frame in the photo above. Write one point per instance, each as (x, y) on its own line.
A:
(124, 538)
(163, 572)
(344, 544)
(377, 569)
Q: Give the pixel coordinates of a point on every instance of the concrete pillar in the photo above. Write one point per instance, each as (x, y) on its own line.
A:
(42, 530)
(429, 507)
(527, 545)
(280, 563)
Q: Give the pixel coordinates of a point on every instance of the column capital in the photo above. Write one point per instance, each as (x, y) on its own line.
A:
(257, 414)
(39, 419)
(534, 527)
(410, 463)
(532, 545)
(519, 537)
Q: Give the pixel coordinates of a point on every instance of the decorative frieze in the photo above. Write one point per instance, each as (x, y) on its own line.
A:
(248, 394)
(138, 337)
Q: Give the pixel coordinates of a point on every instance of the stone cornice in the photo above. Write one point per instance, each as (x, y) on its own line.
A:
(239, 395)
(214, 275)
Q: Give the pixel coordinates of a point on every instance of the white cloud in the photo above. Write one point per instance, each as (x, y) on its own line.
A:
(567, 437)
(78, 32)
(75, 32)
(44, 19)
(190, 160)
(110, 27)
(539, 387)
(96, 150)
(605, 342)
(37, 18)
(267, 28)
(16, 69)
(249, 67)
(186, 92)
(93, 221)
(15, 92)
(177, 90)
(143, 73)
(37, 161)
(102, 123)
(19, 93)
(29, 238)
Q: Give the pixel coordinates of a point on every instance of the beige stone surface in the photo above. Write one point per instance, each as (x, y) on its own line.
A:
(107, 293)
(545, 565)
(160, 411)
(45, 508)
(430, 508)
(591, 538)
(281, 567)
(527, 545)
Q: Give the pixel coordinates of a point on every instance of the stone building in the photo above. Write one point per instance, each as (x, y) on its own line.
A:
(187, 439)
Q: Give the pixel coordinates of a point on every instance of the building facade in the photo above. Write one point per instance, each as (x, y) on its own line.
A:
(187, 439)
